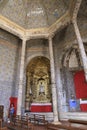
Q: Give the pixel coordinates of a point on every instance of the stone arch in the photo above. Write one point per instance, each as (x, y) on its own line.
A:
(66, 56)
(33, 56)
(67, 52)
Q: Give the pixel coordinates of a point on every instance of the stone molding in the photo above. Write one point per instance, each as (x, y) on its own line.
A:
(19, 31)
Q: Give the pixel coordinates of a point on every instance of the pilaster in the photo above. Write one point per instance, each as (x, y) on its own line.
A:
(53, 83)
(20, 88)
(81, 47)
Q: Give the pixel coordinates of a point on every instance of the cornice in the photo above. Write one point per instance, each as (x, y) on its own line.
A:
(74, 8)
(21, 32)
(62, 22)
(11, 27)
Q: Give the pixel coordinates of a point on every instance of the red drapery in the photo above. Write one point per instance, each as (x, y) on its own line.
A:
(80, 85)
(81, 88)
(83, 107)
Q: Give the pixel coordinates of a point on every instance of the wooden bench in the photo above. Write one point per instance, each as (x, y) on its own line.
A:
(38, 119)
(19, 123)
(65, 127)
(2, 128)
(82, 122)
(32, 118)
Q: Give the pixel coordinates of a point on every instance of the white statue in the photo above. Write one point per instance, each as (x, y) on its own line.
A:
(41, 88)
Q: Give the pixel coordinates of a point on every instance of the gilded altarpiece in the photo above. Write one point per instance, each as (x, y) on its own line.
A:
(38, 88)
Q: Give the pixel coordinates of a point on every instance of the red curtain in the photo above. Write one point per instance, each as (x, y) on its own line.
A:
(81, 88)
(83, 107)
(80, 85)
(13, 100)
(37, 108)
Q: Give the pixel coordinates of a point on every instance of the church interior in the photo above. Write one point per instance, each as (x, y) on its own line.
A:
(43, 58)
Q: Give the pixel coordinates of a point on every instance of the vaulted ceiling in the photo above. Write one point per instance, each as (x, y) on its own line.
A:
(38, 18)
(33, 13)
(83, 10)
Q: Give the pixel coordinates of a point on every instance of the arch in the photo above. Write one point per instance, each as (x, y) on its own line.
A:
(33, 56)
(67, 55)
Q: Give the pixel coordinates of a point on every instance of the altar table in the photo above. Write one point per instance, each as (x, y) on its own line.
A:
(41, 107)
(83, 105)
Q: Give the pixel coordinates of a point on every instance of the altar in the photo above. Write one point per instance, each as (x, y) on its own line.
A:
(83, 105)
(41, 107)
(38, 92)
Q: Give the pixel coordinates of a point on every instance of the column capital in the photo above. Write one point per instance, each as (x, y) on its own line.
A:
(50, 38)
(24, 39)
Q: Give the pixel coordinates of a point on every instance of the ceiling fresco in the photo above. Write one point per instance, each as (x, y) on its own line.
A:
(33, 13)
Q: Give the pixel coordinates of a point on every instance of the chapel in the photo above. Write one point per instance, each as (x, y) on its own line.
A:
(43, 58)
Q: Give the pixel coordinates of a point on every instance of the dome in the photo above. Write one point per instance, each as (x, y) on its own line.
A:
(31, 14)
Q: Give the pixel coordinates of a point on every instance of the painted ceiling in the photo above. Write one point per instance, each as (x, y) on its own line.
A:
(33, 13)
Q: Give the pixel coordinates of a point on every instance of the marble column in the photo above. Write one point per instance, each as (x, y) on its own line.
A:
(53, 83)
(61, 95)
(81, 47)
(20, 88)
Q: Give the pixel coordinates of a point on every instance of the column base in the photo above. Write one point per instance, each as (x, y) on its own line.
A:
(56, 123)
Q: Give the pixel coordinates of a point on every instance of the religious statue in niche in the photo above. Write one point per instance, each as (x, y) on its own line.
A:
(41, 87)
(38, 88)
(41, 91)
